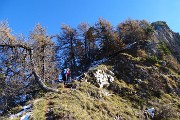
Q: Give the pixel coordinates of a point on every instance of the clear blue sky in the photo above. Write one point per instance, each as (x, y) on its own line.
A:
(23, 15)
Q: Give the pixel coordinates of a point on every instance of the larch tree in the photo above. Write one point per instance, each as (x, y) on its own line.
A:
(44, 54)
(108, 37)
(87, 34)
(83, 29)
(14, 69)
(20, 60)
(67, 42)
(134, 30)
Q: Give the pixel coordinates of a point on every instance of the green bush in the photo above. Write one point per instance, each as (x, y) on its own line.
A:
(152, 59)
(158, 93)
(162, 47)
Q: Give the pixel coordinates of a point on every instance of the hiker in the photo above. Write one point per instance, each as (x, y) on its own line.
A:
(65, 75)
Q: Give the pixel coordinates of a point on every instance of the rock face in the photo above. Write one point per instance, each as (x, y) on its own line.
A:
(100, 76)
(164, 34)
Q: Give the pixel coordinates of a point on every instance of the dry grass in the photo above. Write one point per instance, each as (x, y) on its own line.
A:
(39, 109)
(86, 102)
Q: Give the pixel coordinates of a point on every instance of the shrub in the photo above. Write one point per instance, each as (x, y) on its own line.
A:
(173, 64)
(166, 112)
(141, 53)
(158, 93)
(152, 59)
(16, 109)
(163, 50)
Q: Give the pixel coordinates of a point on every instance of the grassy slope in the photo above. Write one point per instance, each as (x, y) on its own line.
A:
(89, 102)
(125, 100)
(86, 102)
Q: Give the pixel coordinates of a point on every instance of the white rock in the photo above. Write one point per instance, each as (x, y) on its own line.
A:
(151, 112)
(26, 116)
(27, 106)
(103, 78)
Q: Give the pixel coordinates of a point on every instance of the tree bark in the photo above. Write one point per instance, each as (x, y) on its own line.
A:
(42, 85)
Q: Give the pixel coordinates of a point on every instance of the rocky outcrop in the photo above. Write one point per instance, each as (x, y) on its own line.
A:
(164, 34)
(100, 76)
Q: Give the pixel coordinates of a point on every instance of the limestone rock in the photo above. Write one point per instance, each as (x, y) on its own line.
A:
(100, 77)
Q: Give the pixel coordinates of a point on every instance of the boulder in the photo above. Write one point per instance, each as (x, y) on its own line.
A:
(99, 76)
(102, 78)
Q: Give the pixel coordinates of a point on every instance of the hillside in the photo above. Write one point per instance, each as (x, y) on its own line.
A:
(143, 74)
(135, 86)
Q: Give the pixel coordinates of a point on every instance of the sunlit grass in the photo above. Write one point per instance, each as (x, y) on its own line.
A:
(39, 109)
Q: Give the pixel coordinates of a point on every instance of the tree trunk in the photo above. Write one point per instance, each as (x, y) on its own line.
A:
(37, 77)
(42, 85)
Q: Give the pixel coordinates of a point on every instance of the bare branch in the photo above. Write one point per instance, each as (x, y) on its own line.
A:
(16, 45)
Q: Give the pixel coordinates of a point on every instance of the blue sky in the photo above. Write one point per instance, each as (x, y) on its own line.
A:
(23, 15)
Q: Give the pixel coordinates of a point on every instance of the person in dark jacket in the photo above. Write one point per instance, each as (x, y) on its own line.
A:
(65, 74)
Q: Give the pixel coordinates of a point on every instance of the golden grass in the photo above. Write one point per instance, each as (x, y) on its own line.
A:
(39, 109)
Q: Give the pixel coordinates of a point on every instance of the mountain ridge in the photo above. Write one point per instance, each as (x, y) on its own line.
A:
(141, 74)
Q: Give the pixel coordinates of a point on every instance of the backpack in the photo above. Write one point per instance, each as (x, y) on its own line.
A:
(68, 71)
(63, 72)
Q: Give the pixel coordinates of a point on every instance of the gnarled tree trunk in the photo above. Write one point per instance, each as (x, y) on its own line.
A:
(34, 72)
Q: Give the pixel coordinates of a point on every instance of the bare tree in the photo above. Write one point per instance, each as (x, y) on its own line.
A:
(20, 59)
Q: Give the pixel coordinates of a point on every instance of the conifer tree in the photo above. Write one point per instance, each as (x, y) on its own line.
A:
(22, 61)
(88, 38)
(67, 40)
(134, 30)
(44, 53)
(108, 36)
